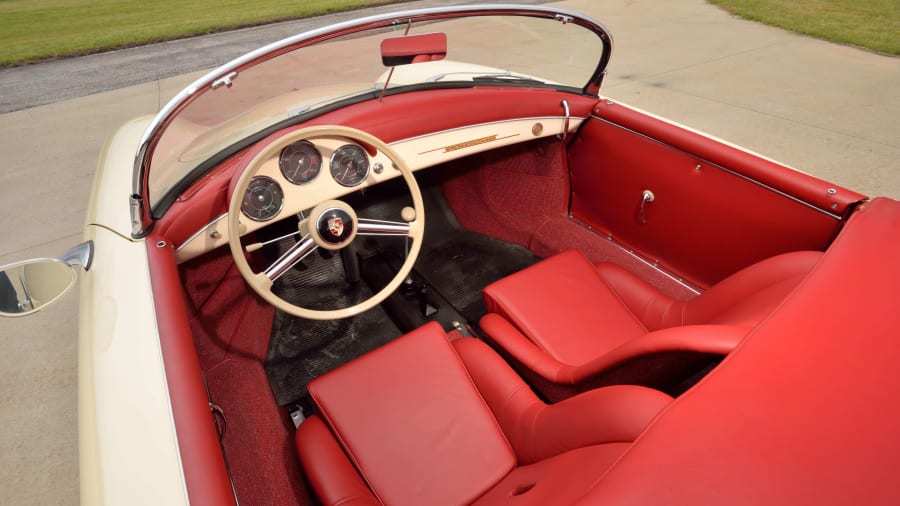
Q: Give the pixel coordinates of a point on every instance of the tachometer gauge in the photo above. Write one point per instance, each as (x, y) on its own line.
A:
(349, 165)
(300, 162)
(263, 199)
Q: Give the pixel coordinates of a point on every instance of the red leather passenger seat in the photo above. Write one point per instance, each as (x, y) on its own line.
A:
(423, 421)
(568, 320)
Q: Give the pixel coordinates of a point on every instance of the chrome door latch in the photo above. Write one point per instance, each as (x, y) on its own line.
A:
(646, 197)
(567, 113)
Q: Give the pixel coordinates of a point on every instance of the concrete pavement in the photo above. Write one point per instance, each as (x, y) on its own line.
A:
(830, 110)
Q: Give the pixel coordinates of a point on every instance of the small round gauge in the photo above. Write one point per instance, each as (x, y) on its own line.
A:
(300, 162)
(263, 199)
(349, 165)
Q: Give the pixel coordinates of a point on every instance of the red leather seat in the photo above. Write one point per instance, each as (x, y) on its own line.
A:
(567, 320)
(423, 421)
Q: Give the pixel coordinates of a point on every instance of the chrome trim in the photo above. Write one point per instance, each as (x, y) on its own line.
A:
(82, 254)
(647, 196)
(565, 133)
(653, 265)
(365, 226)
(280, 204)
(717, 166)
(331, 165)
(299, 251)
(466, 127)
(141, 214)
(225, 81)
(201, 231)
(137, 209)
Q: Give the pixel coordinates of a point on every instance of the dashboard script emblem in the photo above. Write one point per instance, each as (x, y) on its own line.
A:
(336, 226)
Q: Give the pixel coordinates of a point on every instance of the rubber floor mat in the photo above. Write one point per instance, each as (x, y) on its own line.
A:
(301, 349)
(459, 263)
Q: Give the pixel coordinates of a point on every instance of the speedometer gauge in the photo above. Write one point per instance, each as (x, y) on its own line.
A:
(263, 199)
(300, 162)
(349, 165)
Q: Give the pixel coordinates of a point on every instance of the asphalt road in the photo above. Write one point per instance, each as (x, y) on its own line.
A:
(55, 81)
(829, 110)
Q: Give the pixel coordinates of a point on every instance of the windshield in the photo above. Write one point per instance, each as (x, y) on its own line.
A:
(304, 75)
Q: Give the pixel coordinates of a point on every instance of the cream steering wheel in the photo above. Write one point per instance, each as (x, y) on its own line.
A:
(332, 224)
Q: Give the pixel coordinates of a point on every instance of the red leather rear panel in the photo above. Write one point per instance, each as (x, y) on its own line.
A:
(558, 480)
(705, 223)
(805, 411)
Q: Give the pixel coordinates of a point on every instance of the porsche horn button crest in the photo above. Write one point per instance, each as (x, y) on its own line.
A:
(336, 226)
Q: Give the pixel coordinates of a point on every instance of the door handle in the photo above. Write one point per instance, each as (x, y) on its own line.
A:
(646, 197)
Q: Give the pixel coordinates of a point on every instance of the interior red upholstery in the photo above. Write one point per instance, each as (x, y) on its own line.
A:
(421, 421)
(205, 474)
(805, 411)
(744, 298)
(717, 208)
(567, 319)
(564, 296)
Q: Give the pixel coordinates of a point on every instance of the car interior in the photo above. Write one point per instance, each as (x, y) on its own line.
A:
(571, 285)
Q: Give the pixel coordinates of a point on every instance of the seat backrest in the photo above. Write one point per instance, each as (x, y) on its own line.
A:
(413, 423)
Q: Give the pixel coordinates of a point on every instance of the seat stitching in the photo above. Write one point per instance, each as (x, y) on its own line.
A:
(621, 302)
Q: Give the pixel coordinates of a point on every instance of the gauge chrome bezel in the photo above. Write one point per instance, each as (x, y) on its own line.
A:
(293, 146)
(280, 206)
(365, 155)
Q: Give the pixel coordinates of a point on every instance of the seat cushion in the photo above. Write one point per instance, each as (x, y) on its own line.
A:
(538, 431)
(413, 424)
(564, 306)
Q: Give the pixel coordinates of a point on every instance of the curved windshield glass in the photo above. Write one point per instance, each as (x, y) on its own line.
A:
(304, 75)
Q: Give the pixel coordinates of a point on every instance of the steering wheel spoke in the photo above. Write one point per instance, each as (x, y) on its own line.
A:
(291, 257)
(368, 226)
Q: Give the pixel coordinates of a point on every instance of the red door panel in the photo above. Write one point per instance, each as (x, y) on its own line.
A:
(715, 208)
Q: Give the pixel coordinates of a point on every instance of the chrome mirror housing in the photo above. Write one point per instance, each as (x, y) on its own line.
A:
(28, 286)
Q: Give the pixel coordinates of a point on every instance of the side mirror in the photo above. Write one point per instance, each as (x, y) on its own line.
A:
(31, 285)
(413, 49)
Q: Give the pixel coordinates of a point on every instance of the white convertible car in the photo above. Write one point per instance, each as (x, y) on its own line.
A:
(418, 258)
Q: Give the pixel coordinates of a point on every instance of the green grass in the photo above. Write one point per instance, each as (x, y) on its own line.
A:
(33, 30)
(871, 24)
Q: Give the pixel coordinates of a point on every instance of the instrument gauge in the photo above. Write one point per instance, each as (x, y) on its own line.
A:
(300, 162)
(349, 165)
(263, 199)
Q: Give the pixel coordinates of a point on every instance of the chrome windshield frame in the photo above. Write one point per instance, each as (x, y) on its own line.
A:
(139, 201)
